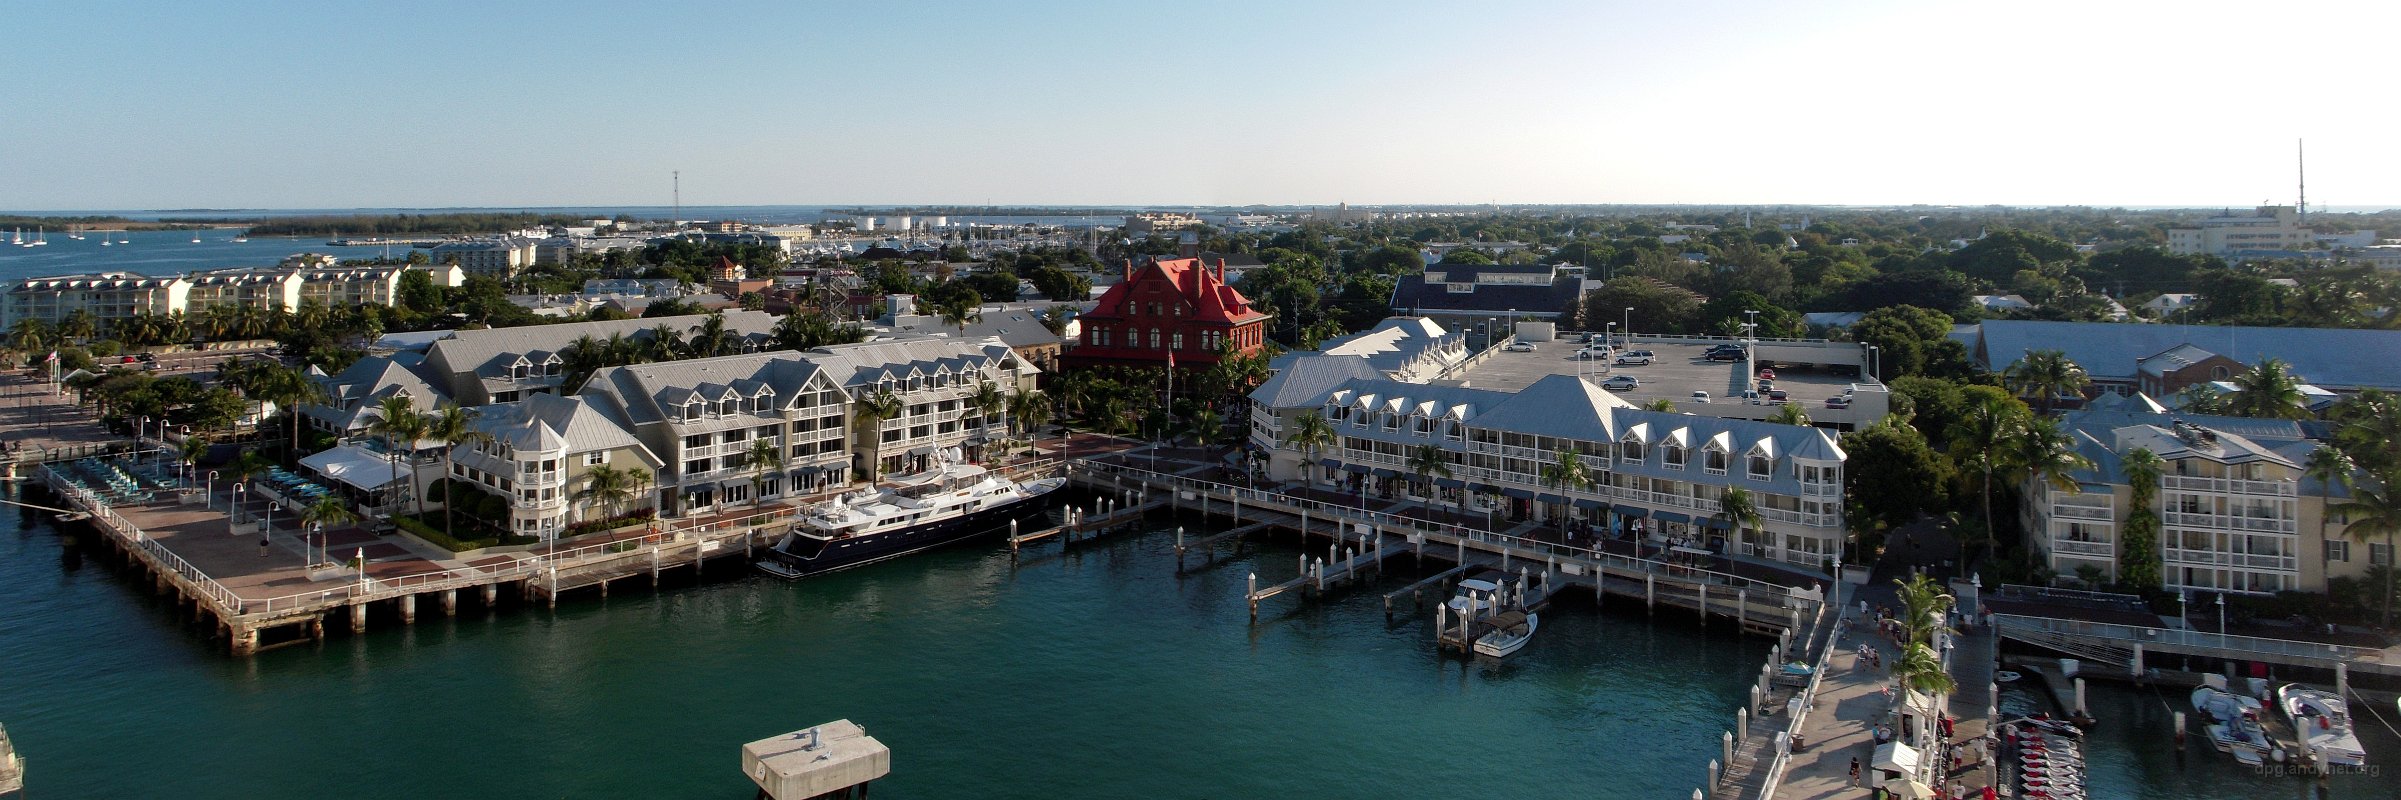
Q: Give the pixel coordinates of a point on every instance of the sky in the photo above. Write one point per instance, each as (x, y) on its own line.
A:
(155, 105)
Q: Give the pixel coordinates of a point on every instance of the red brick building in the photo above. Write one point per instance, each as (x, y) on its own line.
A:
(1178, 306)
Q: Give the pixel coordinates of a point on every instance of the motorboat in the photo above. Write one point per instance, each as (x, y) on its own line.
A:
(2242, 737)
(1481, 592)
(1510, 632)
(2322, 720)
(2215, 704)
(948, 502)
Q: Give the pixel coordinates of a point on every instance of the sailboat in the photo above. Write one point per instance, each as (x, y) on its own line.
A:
(75, 234)
(41, 237)
(106, 239)
(195, 237)
(16, 236)
(128, 238)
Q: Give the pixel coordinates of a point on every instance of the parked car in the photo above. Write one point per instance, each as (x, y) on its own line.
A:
(1520, 347)
(1725, 355)
(1838, 401)
(1619, 383)
(1634, 360)
(1767, 374)
(1725, 348)
(1643, 353)
(1777, 396)
(1700, 397)
(1765, 384)
(145, 357)
(1596, 351)
(127, 360)
(1751, 398)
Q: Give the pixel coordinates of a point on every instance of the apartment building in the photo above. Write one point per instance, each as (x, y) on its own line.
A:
(704, 417)
(354, 395)
(1657, 473)
(499, 365)
(112, 296)
(2236, 510)
(539, 457)
(2227, 235)
(499, 257)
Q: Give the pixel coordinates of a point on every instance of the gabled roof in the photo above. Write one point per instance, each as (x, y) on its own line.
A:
(1212, 300)
(643, 393)
(1558, 405)
(1411, 295)
(549, 422)
(472, 351)
(367, 381)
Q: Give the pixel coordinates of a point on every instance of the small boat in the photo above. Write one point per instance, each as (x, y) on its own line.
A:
(16, 236)
(2218, 705)
(195, 237)
(2006, 676)
(40, 237)
(240, 239)
(1510, 632)
(2323, 721)
(2242, 737)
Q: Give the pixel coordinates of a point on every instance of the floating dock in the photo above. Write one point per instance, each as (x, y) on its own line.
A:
(833, 760)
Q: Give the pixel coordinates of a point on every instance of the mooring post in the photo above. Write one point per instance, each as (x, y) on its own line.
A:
(1252, 592)
(450, 602)
(491, 595)
(1742, 725)
(654, 566)
(1742, 606)
(408, 609)
(1704, 594)
(1442, 622)
(1650, 592)
(2342, 679)
(1179, 547)
(358, 617)
(2179, 730)
(2080, 698)
(1726, 747)
(2136, 668)
(1713, 768)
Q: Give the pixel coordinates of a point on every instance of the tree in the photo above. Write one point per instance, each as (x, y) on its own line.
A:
(1892, 474)
(869, 414)
(1567, 472)
(453, 428)
(1312, 434)
(1205, 425)
(763, 457)
(1732, 308)
(2046, 375)
(2268, 390)
(2332, 469)
(960, 311)
(1428, 462)
(1789, 414)
(191, 451)
(1908, 338)
(608, 486)
(988, 400)
(1989, 430)
(1028, 408)
(1735, 507)
(327, 513)
(1924, 607)
(2374, 510)
(1658, 307)
(398, 422)
(2044, 453)
(1660, 404)
(2138, 545)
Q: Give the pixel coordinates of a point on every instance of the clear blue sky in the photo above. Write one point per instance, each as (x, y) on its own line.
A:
(174, 104)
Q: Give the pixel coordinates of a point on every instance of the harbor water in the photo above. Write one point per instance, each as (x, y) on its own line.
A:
(1095, 672)
(2132, 755)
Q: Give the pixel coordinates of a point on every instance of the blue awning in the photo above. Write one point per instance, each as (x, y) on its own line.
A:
(1670, 516)
(1450, 483)
(1636, 512)
(1594, 505)
(1521, 494)
(1329, 463)
(1718, 523)
(1485, 488)
(1551, 498)
(1381, 472)
(1358, 468)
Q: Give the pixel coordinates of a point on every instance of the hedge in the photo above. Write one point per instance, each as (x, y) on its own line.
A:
(436, 536)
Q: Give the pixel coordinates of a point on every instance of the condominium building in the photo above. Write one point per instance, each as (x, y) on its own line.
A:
(2270, 228)
(704, 417)
(1659, 473)
(498, 365)
(499, 257)
(2236, 510)
(110, 296)
(539, 457)
(354, 395)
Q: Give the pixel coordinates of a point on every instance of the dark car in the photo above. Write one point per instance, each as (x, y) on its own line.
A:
(1777, 396)
(1722, 355)
(146, 357)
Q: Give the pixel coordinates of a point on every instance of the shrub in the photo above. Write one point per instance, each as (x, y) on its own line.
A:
(639, 515)
(440, 539)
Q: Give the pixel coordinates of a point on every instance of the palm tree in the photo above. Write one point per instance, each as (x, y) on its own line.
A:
(2332, 469)
(2138, 548)
(288, 388)
(2269, 390)
(764, 456)
(987, 400)
(608, 486)
(1026, 408)
(1790, 414)
(663, 343)
(2044, 452)
(398, 422)
(869, 413)
(961, 311)
(1312, 434)
(1981, 446)
(1428, 462)
(2046, 374)
(454, 428)
(77, 325)
(711, 338)
(30, 335)
(1736, 508)
(2374, 510)
(1568, 472)
(1920, 668)
(1205, 425)
(327, 513)
(1923, 606)
(1660, 404)
(192, 451)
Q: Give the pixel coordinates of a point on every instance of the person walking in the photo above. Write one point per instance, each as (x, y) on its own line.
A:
(1854, 770)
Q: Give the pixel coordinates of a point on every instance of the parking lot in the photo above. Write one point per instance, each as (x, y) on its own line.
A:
(1677, 371)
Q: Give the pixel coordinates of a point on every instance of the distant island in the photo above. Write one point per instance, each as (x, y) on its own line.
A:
(399, 224)
(111, 222)
(982, 211)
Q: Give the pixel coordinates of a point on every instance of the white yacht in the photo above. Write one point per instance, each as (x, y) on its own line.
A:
(1510, 632)
(2242, 737)
(2322, 720)
(2215, 704)
(947, 503)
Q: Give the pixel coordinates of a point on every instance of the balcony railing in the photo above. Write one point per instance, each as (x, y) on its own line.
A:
(2231, 523)
(2084, 548)
(2081, 512)
(2244, 560)
(2228, 485)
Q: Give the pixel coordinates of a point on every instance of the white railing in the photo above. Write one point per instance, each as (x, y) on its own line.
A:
(2229, 485)
(2247, 560)
(2229, 522)
(2085, 548)
(2127, 635)
(2081, 512)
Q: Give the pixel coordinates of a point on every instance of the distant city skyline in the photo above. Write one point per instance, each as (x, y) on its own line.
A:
(1861, 102)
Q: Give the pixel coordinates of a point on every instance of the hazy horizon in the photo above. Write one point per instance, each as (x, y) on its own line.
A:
(1855, 103)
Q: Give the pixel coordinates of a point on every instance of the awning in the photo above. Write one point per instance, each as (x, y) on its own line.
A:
(356, 466)
(1896, 757)
(1594, 505)
(1485, 488)
(922, 451)
(1670, 516)
(1719, 523)
(1358, 468)
(807, 471)
(1328, 463)
(1450, 483)
(1521, 494)
(1381, 472)
(1550, 498)
(1636, 512)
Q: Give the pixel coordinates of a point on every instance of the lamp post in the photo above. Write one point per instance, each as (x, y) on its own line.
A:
(138, 428)
(1610, 333)
(316, 539)
(1751, 322)
(2221, 620)
(206, 501)
(1629, 326)
(234, 511)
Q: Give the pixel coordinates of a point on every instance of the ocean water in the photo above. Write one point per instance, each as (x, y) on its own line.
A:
(2131, 754)
(1097, 673)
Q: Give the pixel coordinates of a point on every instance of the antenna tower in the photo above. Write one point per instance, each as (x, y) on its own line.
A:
(2301, 152)
(678, 221)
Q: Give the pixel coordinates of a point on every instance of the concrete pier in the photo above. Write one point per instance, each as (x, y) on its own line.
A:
(830, 760)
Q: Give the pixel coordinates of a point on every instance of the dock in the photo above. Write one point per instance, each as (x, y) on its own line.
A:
(833, 760)
(12, 768)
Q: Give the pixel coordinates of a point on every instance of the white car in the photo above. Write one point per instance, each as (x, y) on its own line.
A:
(1593, 352)
(1634, 360)
(1621, 383)
(1520, 347)
(1700, 397)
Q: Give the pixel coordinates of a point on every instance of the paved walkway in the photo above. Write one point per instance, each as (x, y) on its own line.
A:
(1852, 701)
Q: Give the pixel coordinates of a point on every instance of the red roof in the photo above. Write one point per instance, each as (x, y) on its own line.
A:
(1212, 300)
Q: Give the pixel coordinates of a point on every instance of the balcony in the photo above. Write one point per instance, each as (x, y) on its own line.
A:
(2081, 512)
(2229, 486)
(2211, 558)
(2218, 522)
(2071, 547)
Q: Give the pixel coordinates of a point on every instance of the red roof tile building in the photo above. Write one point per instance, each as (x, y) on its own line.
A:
(1168, 306)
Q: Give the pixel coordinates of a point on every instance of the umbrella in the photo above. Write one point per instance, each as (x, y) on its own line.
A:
(1912, 790)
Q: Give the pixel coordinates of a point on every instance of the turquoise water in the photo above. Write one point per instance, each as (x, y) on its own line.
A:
(2132, 755)
(1100, 673)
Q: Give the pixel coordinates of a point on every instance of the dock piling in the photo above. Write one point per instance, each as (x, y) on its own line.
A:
(1251, 590)
(1742, 724)
(408, 609)
(450, 602)
(1650, 592)
(358, 617)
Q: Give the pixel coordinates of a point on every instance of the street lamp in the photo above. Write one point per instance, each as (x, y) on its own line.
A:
(1629, 326)
(1751, 323)
(316, 539)
(206, 501)
(138, 428)
(234, 511)
(2221, 620)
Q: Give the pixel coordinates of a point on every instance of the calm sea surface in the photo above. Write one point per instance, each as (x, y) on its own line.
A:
(1101, 674)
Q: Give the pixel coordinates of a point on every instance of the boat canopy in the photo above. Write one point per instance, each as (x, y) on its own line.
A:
(1473, 584)
(1508, 619)
(1896, 757)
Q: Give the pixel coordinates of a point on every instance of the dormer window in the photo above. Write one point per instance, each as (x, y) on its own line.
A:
(1392, 421)
(1452, 430)
(1630, 451)
(1673, 456)
(1713, 460)
(1760, 466)
(1421, 425)
(725, 406)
